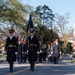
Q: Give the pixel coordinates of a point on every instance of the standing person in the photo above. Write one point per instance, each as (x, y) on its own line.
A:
(51, 52)
(24, 51)
(19, 50)
(44, 49)
(40, 52)
(33, 46)
(11, 48)
(56, 51)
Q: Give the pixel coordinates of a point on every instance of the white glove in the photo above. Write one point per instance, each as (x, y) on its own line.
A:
(5, 52)
(25, 52)
(40, 51)
(22, 52)
(16, 53)
(37, 52)
(60, 52)
(51, 52)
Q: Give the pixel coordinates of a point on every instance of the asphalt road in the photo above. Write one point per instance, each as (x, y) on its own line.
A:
(45, 68)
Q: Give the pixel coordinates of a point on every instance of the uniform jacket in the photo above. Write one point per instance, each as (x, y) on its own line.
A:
(24, 50)
(11, 48)
(33, 47)
(20, 50)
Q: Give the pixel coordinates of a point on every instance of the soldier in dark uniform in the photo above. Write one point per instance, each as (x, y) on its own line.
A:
(24, 51)
(33, 47)
(10, 48)
(19, 50)
(40, 52)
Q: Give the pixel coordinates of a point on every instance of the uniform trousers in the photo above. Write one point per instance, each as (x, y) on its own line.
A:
(11, 66)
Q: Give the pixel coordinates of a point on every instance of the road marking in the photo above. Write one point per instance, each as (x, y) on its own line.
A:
(21, 70)
(17, 71)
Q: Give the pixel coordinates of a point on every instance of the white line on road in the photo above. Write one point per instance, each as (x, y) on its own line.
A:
(17, 72)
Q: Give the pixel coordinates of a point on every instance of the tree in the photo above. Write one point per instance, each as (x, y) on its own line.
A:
(45, 15)
(14, 11)
(45, 35)
(70, 32)
(61, 22)
(69, 47)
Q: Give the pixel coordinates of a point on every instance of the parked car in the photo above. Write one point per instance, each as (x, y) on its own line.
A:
(73, 55)
(66, 57)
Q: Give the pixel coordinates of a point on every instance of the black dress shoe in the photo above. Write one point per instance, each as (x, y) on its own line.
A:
(10, 71)
(32, 69)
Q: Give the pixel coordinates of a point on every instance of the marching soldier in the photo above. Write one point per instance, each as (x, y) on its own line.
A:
(11, 47)
(33, 47)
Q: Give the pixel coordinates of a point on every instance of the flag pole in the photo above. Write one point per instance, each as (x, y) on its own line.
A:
(30, 24)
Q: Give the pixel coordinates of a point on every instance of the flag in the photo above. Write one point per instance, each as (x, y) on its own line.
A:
(30, 23)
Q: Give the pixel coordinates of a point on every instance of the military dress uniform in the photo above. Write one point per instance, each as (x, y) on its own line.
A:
(11, 47)
(19, 50)
(33, 47)
(24, 51)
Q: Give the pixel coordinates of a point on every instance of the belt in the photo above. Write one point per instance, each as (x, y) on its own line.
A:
(10, 50)
(30, 49)
(32, 44)
(11, 45)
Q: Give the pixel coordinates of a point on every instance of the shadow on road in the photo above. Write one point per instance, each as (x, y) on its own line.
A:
(44, 68)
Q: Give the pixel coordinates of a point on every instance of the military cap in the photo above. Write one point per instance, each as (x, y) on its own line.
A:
(32, 30)
(11, 31)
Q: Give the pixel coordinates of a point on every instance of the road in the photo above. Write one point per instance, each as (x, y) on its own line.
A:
(45, 68)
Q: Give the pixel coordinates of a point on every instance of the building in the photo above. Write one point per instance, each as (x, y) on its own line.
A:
(72, 39)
